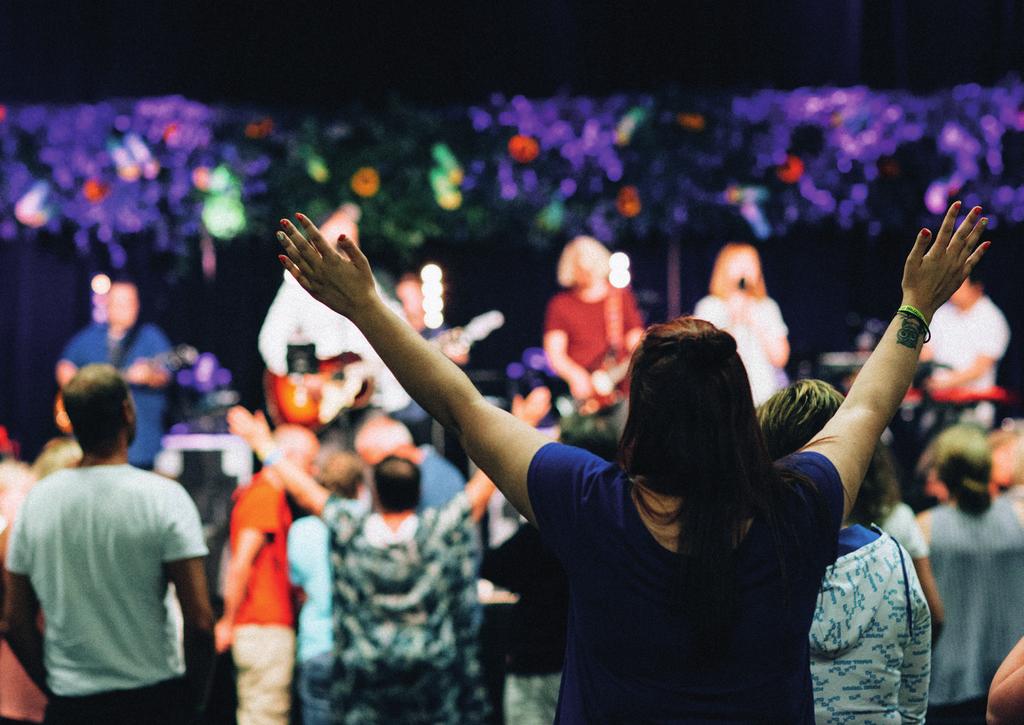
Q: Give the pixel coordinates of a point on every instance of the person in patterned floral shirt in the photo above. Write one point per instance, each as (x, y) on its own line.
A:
(405, 609)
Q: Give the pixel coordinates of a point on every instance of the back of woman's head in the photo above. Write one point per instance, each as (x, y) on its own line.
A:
(963, 461)
(795, 414)
(692, 433)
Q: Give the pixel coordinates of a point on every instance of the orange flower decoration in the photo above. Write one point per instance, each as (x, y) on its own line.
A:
(523, 149)
(3, 113)
(95, 190)
(691, 121)
(260, 129)
(171, 131)
(628, 202)
(365, 182)
(791, 170)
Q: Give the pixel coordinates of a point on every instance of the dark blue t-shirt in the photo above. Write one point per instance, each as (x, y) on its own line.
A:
(629, 653)
(90, 346)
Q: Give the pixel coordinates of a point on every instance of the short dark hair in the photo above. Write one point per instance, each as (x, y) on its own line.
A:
(398, 484)
(94, 399)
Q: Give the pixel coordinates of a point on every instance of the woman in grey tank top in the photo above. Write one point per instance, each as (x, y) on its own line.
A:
(977, 546)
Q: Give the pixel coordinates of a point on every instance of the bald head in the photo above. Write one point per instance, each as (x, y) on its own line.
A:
(298, 444)
(343, 221)
(381, 437)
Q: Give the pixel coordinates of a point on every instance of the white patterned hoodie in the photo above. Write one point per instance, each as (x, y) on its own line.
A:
(871, 636)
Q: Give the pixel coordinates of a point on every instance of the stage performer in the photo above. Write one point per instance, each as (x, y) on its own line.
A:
(591, 326)
(294, 318)
(738, 303)
(133, 348)
(969, 338)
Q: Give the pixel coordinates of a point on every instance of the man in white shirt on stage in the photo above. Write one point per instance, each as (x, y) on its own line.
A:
(969, 336)
(295, 318)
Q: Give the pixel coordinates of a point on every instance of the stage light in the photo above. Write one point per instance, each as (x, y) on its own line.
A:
(619, 275)
(432, 289)
(431, 273)
(101, 284)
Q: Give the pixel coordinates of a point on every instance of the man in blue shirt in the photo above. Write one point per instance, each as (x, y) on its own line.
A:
(131, 348)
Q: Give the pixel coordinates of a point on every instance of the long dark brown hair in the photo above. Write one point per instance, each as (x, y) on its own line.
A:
(692, 433)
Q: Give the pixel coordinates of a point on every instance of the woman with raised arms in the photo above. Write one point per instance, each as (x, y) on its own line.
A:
(694, 561)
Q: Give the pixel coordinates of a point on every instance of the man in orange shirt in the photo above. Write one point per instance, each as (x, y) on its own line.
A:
(259, 618)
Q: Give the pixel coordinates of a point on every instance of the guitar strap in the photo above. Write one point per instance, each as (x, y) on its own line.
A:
(117, 350)
(614, 323)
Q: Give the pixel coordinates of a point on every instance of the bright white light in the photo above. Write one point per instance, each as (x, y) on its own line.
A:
(433, 305)
(101, 284)
(433, 320)
(619, 260)
(431, 273)
(619, 278)
(432, 289)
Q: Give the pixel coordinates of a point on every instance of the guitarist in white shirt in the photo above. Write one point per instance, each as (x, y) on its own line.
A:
(295, 318)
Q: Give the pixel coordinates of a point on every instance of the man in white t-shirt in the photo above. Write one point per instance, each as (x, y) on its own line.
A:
(95, 547)
(969, 336)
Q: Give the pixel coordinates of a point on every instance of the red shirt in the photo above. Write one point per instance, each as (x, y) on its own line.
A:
(584, 323)
(268, 598)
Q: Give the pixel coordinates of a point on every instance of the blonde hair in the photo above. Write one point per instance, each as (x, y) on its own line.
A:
(794, 415)
(721, 285)
(58, 453)
(589, 254)
(963, 461)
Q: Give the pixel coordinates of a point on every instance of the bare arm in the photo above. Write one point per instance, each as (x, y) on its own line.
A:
(20, 610)
(250, 541)
(556, 344)
(982, 365)
(923, 566)
(1006, 696)
(933, 271)
(189, 579)
(255, 431)
(499, 443)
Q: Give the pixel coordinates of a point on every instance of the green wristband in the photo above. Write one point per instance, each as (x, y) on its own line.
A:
(911, 311)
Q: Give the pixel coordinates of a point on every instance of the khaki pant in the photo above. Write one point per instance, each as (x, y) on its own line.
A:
(264, 659)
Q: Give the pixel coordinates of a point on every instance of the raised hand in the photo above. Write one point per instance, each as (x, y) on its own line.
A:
(253, 429)
(936, 268)
(339, 277)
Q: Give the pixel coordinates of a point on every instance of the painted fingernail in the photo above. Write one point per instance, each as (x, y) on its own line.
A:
(925, 233)
(284, 223)
(956, 204)
(984, 221)
(282, 259)
(301, 217)
(986, 245)
(281, 237)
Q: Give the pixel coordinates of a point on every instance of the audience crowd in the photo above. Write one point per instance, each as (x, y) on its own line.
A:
(653, 580)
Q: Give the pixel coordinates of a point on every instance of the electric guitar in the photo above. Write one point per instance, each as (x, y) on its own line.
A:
(605, 383)
(344, 382)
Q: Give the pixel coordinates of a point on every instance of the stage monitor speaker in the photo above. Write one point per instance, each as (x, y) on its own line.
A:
(210, 467)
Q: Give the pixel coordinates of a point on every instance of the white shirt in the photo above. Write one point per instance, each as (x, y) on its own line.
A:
(93, 542)
(295, 317)
(765, 315)
(901, 525)
(960, 337)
